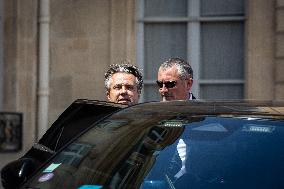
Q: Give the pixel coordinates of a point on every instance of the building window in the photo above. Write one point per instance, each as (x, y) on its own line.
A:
(207, 33)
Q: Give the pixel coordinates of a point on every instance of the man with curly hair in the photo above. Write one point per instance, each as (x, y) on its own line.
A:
(123, 83)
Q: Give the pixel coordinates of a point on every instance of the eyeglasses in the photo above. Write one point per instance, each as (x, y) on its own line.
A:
(168, 84)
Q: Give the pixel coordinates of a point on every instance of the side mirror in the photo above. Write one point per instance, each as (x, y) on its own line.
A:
(16, 172)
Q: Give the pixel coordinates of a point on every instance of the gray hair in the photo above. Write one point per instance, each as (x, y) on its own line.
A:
(184, 69)
(124, 68)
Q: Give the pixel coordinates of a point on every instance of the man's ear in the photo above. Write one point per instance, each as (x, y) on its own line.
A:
(107, 95)
(189, 83)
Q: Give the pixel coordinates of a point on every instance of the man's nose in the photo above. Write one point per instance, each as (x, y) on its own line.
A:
(163, 89)
(123, 90)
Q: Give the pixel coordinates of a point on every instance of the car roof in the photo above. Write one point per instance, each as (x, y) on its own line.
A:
(200, 107)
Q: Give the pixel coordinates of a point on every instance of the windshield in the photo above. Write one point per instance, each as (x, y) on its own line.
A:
(171, 152)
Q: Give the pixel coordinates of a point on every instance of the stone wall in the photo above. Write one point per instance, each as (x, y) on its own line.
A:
(260, 50)
(279, 52)
(265, 50)
(20, 67)
(86, 37)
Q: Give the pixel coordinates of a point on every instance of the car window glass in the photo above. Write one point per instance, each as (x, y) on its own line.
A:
(222, 153)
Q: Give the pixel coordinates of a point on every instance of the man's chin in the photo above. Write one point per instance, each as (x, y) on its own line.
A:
(167, 98)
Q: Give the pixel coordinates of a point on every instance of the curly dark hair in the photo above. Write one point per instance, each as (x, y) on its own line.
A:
(125, 67)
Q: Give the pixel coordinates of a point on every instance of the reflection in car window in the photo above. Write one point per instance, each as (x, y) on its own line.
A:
(171, 152)
(222, 153)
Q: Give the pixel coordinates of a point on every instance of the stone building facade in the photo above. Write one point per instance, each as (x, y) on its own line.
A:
(86, 36)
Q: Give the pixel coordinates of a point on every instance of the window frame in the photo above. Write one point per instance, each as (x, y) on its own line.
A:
(193, 21)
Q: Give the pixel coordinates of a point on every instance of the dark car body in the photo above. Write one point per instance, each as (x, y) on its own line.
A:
(76, 118)
(178, 144)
